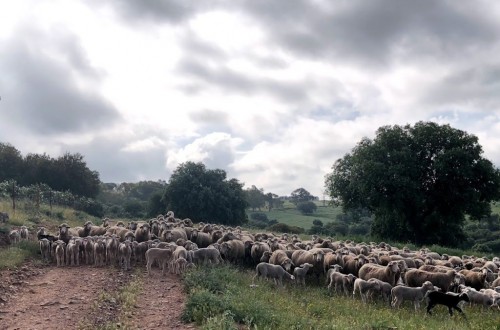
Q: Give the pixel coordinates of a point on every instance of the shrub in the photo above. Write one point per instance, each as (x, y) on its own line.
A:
(306, 207)
(203, 304)
(259, 216)
(284, 228)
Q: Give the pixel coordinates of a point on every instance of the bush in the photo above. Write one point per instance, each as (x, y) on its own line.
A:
(203, 304)
(306, 207)
(284, 228)
(259, 216)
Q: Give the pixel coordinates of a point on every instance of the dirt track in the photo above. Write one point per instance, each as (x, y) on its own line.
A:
(43, 297)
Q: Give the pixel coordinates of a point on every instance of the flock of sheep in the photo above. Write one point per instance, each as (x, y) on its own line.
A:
(368, 270)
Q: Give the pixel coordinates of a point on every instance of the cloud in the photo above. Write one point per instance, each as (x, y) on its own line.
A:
(49, 87)
(215, 150)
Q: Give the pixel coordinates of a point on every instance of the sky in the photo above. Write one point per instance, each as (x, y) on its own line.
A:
(273, 92)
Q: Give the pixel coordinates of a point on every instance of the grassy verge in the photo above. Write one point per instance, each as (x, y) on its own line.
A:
(15, 255)
(221, 298)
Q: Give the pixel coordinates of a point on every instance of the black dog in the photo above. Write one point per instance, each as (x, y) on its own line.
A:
(450, 300)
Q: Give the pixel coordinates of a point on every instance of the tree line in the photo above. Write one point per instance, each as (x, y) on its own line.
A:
(68, 172)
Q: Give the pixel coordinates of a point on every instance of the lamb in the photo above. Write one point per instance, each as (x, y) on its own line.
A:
(387, 274)
(41, 233)
(450, 300)
(88, 250)
(313, 256)
(342, 282)
(24, 233)
(125, 254)
(275, 272)
(179, 252)
(180, 266)
(417, 277)
(72, 253)
(45, 249)
(204, 255)
(300, 273)
(401, 293)
(493, 294)
(363, 287)
(14, 236)
(162, 256)
(140, 251)
(112, 245)
(385, 290)
(99, 252)
(479, 298)
(59, 252)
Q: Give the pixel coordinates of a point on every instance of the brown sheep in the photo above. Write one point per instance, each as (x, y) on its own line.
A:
(201, 239)
(279, 257)
(142, 233)
(258, 249)
(417, 277)
(233, 250)
(64, 234)
(313, 256)
(352, 265)
(476, 280)
(387, 273)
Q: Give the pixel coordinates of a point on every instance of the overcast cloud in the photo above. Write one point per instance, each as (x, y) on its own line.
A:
(273, 92)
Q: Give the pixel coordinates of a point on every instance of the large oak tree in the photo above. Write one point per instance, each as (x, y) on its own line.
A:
(419, 181)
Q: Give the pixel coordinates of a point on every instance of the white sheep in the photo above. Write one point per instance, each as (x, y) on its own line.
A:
(59, 252)
(363, 287)
(162, 256)
(401, 293)
(300, 273)
(479, 298)
(44, 249)
(99, 252)
(125, 254)
(24, 233)
(14, 236)
(276, 272)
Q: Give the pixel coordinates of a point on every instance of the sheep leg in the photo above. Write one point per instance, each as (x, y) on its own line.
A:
(429, 307)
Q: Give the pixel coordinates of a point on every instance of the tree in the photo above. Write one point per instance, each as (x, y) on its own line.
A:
(11, 163)
(255, 197)
(306, 208)
(205, 195)
(74, 175)
(300, 195)
(419, 182)
(272, 201)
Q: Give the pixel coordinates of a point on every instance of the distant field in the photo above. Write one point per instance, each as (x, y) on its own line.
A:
(290, 216)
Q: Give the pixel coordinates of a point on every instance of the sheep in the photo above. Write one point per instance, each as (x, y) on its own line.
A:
(493, 294)
(173, 235)
(125, 254)
(140, 251)
(24, 233)
(44, 249)
(313, 256)
(72, 249)
(64, 234)
(112, 245)
(81, 231)
(435, 269)
(275, 272)
(279, 257)
(342, 282)
(204, 255)
(179, 252)
(476, 280)
(401, 293)
(479, 298)
(4, 217)
(163, 256)
(202, 239)
(363, 287)
(257, 250)
(142, 233)
(496, 282)
(233, 250)
(450, 300)
(387, 273)
(41, 233)
(385, 290)
(353, 264)
(14, 236)
(59, 252)
(88, 249)
(99, 252)
(300, 273)
(99, 230)
(417, 277)
(180, 266)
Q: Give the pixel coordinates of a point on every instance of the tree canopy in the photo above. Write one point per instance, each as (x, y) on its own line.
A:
(195, 192)
(301, 195)
(419, 181)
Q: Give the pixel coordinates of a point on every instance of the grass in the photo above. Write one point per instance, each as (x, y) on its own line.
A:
(266, 306)
(17, 254)
(291, 216)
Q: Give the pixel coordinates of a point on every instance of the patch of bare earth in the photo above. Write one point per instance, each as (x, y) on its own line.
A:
(160, 304)
(44, 297)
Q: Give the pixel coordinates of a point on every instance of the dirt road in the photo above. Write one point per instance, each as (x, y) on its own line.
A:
(85, 297)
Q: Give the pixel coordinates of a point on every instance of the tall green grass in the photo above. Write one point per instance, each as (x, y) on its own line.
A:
(240, 306)
(15, 255)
